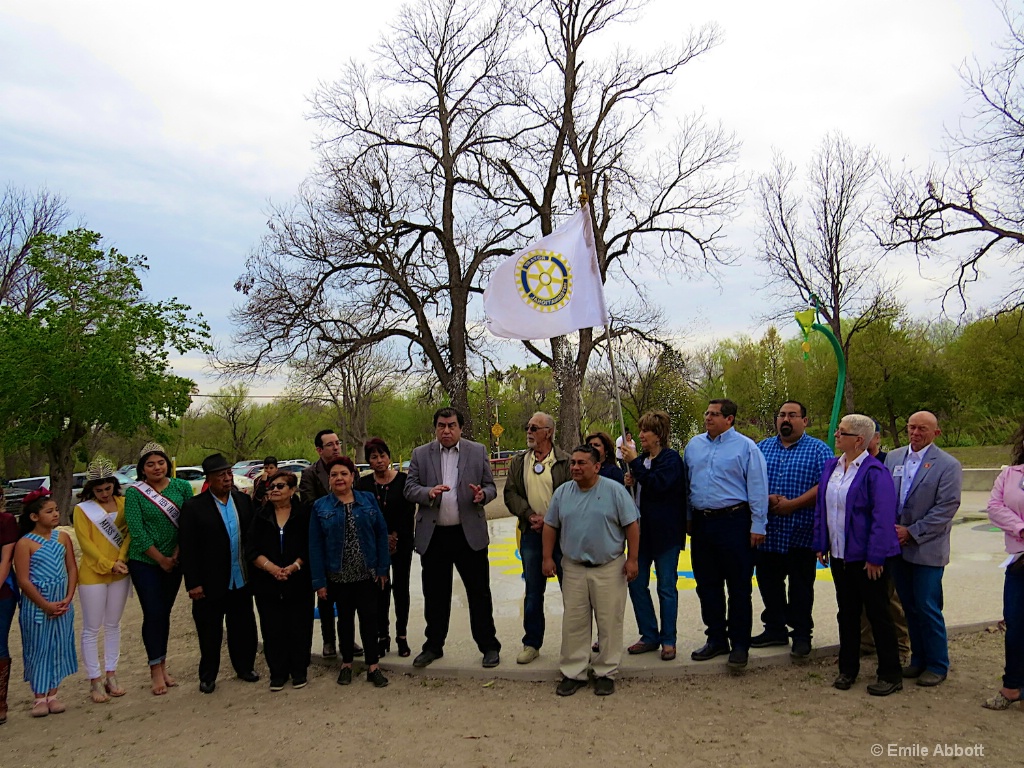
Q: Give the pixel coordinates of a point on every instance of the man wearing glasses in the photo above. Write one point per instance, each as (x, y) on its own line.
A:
(795, 462)
(727, 514)
(533, 477)
(315, 483)
(450, 478)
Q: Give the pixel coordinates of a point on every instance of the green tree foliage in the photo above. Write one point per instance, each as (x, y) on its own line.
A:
(94, 353)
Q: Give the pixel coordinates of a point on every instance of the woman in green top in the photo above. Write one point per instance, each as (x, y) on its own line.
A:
(151, 509)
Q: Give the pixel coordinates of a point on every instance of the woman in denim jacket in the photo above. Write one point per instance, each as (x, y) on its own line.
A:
(348, 559)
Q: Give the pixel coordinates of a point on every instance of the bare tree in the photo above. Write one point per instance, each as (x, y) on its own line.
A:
(23, 216)
(248, 427)
(388, 241)
(665, 206)
(820, 244)
(972, 210)
(352, 388)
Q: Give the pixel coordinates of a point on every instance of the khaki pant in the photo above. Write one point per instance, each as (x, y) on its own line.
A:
(590, 594)
(867, 640)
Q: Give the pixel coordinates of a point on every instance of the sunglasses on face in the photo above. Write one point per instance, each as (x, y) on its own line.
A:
(534, 428)
(277, 486)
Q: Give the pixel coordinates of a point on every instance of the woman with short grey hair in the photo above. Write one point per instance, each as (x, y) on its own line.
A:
(855, 533)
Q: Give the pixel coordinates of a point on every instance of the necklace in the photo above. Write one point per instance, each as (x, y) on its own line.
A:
(538, 467)
(382, 494)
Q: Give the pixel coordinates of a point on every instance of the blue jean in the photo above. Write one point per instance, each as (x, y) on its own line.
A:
(157, 590)
(920, 591)
(666, 568)
(531, 550)
(1013, 614)
(7, 607)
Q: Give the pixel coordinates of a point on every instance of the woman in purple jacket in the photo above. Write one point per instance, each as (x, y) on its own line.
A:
(855, 533)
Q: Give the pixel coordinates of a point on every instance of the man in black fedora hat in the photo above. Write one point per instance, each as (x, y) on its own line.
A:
(212, 531)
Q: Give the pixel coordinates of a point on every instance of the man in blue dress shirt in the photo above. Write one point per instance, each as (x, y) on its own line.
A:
(795, 463)
(728, 510)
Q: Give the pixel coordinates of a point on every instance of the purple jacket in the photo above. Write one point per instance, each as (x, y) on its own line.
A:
(870, 514)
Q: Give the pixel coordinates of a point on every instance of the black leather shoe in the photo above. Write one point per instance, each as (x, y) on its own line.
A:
(249, 677)
(568, 686)
(911, 671)
(929, 679)
(377, 678)
(844, 682)
(765, 640)
(491, 659)
(884, 688)
(708, 651)
(207, 687)
(604, 686)
(426, 658)
(801, 649)
(345, 676)
(403, 647)
(738, 659)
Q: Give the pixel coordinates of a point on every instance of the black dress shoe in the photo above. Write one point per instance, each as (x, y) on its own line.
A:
(491, 659)
(884, 688)
(801, 649)
(766, 640)
(249, 677)
(207, 687)
(844, 682)
(426, 658)
(708, 651)
(738, 658)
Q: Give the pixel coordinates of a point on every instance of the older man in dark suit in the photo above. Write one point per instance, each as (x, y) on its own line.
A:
(450, 479)
(211, 535)
(928, 482)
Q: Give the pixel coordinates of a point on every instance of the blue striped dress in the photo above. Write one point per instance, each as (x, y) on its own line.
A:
(48, 645)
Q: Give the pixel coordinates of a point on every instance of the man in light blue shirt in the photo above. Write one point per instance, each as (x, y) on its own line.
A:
(727, 513)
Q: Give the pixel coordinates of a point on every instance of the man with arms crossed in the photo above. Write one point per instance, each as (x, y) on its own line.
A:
(594, 517)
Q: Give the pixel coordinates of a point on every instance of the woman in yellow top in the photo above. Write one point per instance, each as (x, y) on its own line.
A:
(103, 575)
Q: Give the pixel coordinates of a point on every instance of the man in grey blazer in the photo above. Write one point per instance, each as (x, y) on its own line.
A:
(450, 478)
(928, 484)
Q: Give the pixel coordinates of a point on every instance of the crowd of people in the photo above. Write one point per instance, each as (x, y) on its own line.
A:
(599, 518)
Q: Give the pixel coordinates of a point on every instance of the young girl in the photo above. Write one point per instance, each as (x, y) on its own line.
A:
(44, 561)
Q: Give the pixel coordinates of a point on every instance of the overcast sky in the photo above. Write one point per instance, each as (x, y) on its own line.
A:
(169, 127)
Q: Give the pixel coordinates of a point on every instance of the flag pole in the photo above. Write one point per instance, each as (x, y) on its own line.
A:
(585, 202)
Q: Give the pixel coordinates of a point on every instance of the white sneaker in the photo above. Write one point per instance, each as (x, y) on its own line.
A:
(527, 655)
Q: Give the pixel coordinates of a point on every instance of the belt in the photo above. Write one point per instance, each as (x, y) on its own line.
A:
(724, 510)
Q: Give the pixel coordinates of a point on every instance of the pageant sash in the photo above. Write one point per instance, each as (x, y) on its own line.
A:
(99, 517)
(162, 502)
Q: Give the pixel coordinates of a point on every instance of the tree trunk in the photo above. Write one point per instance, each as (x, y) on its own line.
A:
(36, 456)
(567, 379)
(62, 467)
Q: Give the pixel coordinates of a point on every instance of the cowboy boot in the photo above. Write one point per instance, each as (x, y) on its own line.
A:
(5, 678)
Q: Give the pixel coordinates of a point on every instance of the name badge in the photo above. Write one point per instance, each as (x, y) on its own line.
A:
(897, 471)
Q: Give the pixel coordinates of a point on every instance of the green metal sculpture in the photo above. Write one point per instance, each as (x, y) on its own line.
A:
(808, 320)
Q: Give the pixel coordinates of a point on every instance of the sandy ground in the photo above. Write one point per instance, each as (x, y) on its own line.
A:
(778, 715)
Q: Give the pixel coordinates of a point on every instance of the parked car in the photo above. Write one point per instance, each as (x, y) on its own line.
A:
(130, 471)
(504, 454)
(244, 465)
(305, 462)
(197, 478)
(13, 497)
(32, 483)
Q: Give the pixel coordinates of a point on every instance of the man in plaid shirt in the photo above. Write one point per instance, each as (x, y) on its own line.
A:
(795, 463)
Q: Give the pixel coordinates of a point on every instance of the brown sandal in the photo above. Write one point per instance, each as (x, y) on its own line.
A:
(1000, 702)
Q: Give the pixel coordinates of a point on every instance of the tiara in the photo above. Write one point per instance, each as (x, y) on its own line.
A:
(99, 470)
(151, 447)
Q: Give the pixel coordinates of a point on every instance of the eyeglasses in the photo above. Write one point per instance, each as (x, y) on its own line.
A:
(845, 434)
(712, 413)
(277, 486)
(535, 428)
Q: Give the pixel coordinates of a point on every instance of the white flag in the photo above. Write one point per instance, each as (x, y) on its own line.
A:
(550, 288)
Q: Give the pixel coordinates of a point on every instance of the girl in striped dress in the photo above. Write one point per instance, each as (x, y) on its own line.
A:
(44, 560)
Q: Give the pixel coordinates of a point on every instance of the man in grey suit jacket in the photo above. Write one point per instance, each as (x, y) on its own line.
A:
(928, 484)
(450, 478)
